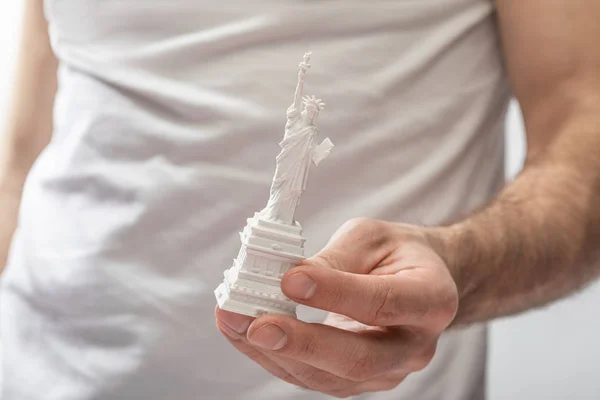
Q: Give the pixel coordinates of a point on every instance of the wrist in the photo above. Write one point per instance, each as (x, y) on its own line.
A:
(448, 242)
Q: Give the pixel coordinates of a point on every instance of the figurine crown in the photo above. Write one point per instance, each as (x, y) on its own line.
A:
(313, 102)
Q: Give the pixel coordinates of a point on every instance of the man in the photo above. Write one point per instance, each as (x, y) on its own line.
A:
(161, 146)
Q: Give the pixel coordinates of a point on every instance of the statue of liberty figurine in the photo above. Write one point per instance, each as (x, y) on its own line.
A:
(299, 151)
(273, 241)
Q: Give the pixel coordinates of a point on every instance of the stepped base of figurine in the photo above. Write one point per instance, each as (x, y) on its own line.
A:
(252, 286)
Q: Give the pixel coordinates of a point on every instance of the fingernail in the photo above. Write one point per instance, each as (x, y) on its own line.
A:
(270, 337)
(237, 322)
(300, 286)
(229, 332)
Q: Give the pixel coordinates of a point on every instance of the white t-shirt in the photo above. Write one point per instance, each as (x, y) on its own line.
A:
(167, 121)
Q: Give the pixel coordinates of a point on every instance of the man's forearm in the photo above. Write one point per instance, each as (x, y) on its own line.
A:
(538, 241)
(29, 121)
(10, 198)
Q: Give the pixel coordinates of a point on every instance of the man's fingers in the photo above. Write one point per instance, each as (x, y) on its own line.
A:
(319, 357)
(349, 355)
(375, 385)
(264, 361)
(405, 298)
(238, 341)
(311, 377)
(294, 372)
(291, 371)
(232, 322)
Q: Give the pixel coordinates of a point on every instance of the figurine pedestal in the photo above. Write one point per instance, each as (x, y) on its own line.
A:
(252, 286)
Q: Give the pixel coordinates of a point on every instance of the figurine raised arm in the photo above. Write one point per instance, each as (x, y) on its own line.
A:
(298, 152)
(294, 110)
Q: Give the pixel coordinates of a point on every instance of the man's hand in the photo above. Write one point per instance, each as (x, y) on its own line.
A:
(537, 241)
(391, 296)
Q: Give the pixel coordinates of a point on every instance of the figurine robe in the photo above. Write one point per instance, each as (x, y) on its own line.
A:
(293, 165)
(298, 153)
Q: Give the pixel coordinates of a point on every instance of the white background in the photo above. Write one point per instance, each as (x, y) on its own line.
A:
(543, 355)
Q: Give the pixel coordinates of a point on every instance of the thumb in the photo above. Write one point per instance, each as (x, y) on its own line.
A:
(375, 300)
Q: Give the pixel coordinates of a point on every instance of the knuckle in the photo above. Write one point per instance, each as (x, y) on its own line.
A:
(328, 259)
(359, 222)
(375, 231)
(383, 309)
(389, 385)
(445, 310)
(450, 304)
(335, 297)
(391, 382)
(424, 357)
(364, 227)
(304, 348)
(317, 380)
(361, 369)
(289, 378)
